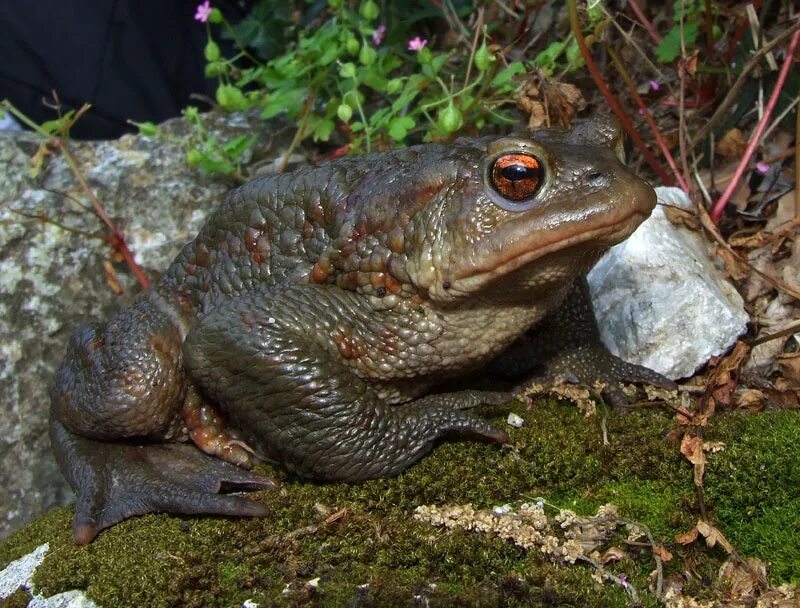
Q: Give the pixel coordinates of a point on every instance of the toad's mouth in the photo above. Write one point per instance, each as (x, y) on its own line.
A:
(601, 235)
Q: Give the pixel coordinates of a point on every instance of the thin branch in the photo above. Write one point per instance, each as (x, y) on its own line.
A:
(609, 97)
(755, 138)
(735, 91)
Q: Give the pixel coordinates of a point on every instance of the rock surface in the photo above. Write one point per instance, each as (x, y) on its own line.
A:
(660, 299)
(55, 272)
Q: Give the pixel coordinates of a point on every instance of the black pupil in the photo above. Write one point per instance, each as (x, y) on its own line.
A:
(515, 173)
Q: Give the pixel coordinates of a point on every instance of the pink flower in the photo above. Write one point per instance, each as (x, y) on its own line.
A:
(203, 11)
(762, 167)
(378, 34)
(654, 85)
(417, 44)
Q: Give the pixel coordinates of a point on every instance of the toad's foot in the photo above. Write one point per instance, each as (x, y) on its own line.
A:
(591, 364)
(209, 433)
(115, 481)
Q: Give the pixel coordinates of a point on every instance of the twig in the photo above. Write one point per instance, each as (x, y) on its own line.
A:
(713, 230)
(735, 91)
(478, 32)
(797, 169)
(682, 105)
(634, 4)
(792, 329)
(755, 138)
(117, 239)
(623, 72)
(610, 99)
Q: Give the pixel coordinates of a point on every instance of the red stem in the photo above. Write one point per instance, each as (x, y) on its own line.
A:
(755, 139)
(618, 110)
(634, 4)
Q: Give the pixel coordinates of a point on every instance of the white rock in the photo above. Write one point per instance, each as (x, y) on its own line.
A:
(250, 604)
(515, 420)
(660, 299)
(19, 573)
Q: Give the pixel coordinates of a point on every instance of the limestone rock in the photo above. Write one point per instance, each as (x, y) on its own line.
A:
(660, 299)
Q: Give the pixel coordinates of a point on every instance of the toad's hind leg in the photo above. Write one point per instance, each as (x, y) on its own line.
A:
(115, 404)
(274, 364)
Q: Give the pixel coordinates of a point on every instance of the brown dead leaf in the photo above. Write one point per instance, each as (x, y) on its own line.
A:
(724, 375)
(732, 144)
(713, 535)
(549, 102)
(112, 280)
(750, 399)
(690, 64)
(614, 554)
(662, 552)
(340, 514)
(743, 579)
(735, 267)
(692, 450)
(681, 217)
(789, 365)
(687, 538)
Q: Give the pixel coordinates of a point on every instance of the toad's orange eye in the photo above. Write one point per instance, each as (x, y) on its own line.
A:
(517, 177)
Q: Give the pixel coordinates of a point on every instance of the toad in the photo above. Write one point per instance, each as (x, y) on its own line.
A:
(311, 320)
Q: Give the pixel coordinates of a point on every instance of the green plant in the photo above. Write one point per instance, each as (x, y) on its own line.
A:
(360, 76)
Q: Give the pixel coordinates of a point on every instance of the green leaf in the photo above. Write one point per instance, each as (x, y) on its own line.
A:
(670, 46)
(148, 129)
(237, 146)
(323, 129)
(400, 126)
(231, 97)
(506, 75)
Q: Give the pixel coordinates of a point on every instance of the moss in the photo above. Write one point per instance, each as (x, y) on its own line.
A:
(752, 487)
(376, 554)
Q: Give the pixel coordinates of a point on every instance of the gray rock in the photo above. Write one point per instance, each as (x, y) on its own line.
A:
(660, 299)
(53, 271)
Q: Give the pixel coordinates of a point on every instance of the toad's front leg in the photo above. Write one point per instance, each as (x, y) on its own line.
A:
(272, 362)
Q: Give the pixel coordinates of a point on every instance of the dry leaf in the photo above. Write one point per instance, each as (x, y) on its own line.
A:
(340, 514)
(735, 267)
(744, 579)
(692, 450)
(662, 552)
(681, 217)
(548, 102)
(614, 554)
(732, 144)
(723, 379)
(687, 538)
(750, 399)
(713, 535)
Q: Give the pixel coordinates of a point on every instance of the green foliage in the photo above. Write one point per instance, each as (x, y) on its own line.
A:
(360, 72)
(687, 11)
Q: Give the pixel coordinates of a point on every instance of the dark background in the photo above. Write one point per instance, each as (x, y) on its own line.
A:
(131, 59)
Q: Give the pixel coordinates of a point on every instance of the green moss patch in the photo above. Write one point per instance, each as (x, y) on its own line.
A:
(375, 553)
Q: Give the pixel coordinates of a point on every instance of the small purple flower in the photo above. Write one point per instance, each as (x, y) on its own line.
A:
(762, 167)
(417, 44)
(203, 11)
(378, 34)
(654, 85)
(623, 580)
